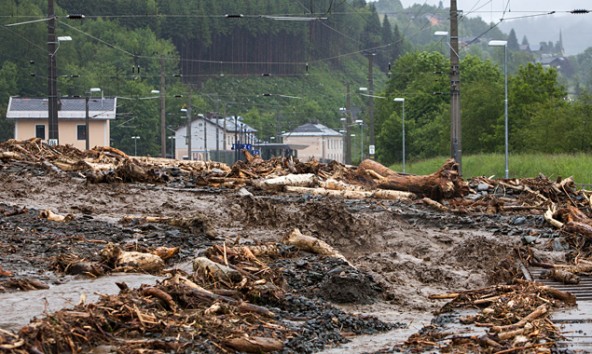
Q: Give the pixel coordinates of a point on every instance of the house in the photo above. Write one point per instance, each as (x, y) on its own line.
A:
(30, 117)
(214, 138)
(316, 141)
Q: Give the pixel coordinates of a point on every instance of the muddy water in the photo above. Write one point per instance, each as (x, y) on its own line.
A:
(372, 343)
(19, 308)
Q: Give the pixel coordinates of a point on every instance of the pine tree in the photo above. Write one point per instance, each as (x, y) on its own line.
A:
(513, 41)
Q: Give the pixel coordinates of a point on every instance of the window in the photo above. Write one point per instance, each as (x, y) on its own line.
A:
(81, 132)
(40, 131)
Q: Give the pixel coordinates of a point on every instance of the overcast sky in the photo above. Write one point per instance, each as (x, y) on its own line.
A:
(492, 10)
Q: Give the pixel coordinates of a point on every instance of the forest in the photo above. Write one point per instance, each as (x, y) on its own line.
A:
(280, 63)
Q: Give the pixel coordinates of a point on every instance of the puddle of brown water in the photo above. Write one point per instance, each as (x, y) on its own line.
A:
(19, 308)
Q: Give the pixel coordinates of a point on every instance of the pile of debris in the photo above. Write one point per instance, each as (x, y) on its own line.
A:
(239, 297)
(233, 301)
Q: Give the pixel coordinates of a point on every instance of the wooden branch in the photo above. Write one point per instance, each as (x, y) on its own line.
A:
(312, 244)
(254, 344)
(434, 204)
(549, 218)
(216, 270)
(538, 312)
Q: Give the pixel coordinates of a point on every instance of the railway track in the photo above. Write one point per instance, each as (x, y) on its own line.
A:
(575, 323)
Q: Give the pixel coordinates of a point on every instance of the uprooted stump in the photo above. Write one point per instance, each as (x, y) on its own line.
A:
(444, 183)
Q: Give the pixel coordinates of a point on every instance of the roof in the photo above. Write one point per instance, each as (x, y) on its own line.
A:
(311, 129)
(226, 123)
(73, 108)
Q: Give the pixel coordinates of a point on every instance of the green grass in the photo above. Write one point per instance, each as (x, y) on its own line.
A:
(520, 165)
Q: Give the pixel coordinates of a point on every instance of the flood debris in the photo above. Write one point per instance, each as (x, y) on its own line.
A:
(233, 302)
(258, 254)
(496, 319)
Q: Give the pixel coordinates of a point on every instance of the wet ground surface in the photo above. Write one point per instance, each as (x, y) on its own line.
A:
(401, 252)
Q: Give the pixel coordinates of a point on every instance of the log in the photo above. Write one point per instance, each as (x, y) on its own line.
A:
(444, 183)
(576, 227)
(255, 344)
(334, 184)
(353, 194)
(277, 183)
(564, 296)
(560, 275)
(376, 167)
(218, 271)
(434, 204)
(312, 244)
(51, 216)
(131, 260)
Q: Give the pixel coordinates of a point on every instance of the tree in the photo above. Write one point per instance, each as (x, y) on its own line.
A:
(532, 91)
(513, 41)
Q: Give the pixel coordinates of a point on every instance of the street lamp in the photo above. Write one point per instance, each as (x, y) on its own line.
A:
(188, 138)
(87, 118)
(53, 44)
(402, 100)
(361, 124)
(497, 43)
(135, 144)
(172, 139)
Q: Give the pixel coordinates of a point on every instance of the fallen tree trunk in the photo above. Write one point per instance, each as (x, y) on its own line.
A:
(276, 183)
(444, 183)
(353, 194)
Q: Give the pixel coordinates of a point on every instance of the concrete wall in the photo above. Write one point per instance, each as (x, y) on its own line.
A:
(67, 131)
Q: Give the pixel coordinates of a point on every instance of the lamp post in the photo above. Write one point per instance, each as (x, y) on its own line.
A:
(188, 134)
(135, 144)
(496, 43)
(172, 139)
(87, 117)
(361, 124)
(402, 100)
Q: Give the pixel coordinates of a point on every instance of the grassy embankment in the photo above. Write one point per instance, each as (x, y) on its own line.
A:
(520, 165)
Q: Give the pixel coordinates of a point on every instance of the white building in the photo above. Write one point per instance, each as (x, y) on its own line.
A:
(213, 138)
(316, 141)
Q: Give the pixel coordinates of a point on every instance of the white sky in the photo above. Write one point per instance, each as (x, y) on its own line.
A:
(492, 10)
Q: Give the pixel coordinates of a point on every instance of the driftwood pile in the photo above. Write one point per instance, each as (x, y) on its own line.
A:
(514, 319)
(369, 180)
(229, 303)
(101, 164)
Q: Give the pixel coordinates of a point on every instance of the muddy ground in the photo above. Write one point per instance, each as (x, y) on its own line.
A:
(401, 251)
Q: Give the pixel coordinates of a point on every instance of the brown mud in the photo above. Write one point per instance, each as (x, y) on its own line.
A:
(401, 251)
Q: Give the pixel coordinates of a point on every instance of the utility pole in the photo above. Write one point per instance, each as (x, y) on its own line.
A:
(52, 84)
(162, 110)
(372, 145)
(455, 126)
(189, 154)
(348, 123)
(217, 129)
